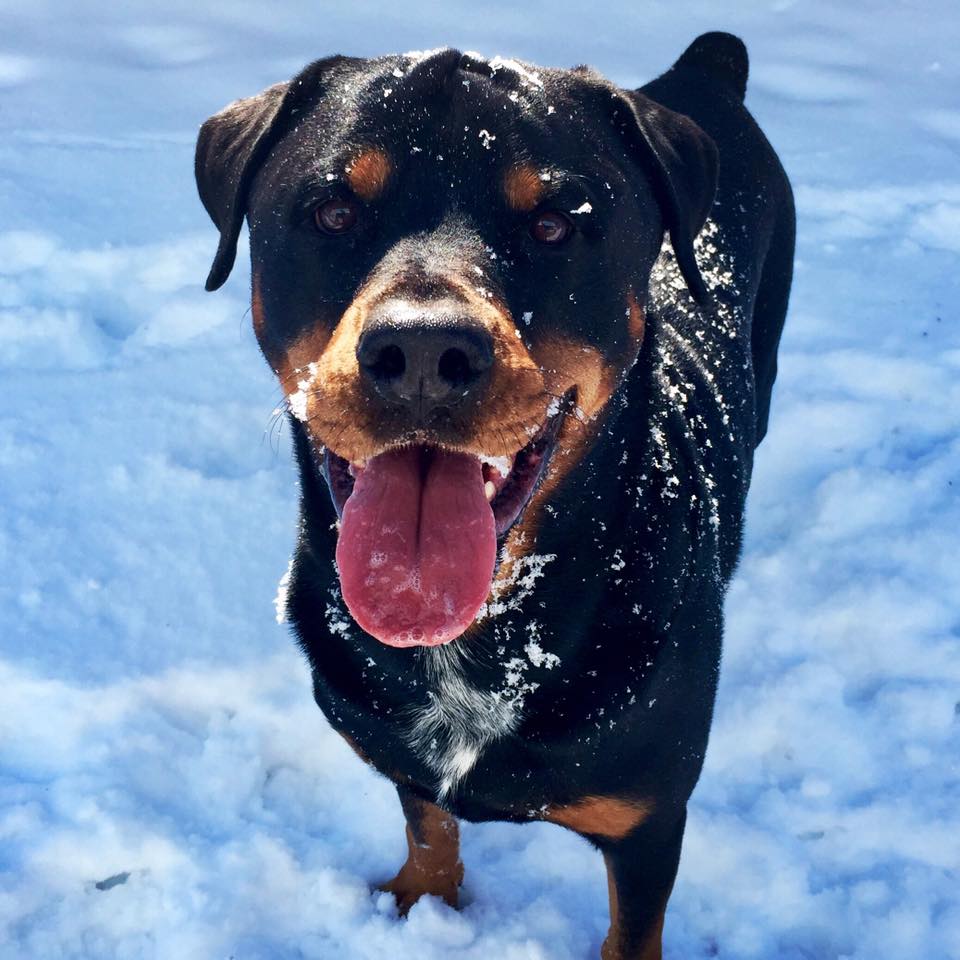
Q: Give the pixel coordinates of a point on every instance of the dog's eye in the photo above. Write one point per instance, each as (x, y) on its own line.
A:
(336, 216)
(551, 227)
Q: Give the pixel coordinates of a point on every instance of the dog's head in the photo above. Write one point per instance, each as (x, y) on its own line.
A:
(450, 255)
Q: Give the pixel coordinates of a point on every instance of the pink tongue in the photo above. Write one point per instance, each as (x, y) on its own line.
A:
(417, 546)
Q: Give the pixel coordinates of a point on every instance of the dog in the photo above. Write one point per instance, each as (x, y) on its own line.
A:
(526, 324)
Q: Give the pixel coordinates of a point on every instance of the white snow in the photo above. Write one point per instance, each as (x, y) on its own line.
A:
(299, 398)
(502, 465)
(157, 723)
(283, 590)
(527, 77)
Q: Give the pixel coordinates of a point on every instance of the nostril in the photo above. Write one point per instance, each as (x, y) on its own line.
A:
(455, 368)
(424, 365)
(388, 364)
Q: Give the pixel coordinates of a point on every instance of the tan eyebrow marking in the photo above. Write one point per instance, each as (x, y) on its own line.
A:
(523, 187)
(368, 174)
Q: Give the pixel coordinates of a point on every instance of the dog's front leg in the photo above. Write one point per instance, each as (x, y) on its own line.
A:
(641, 868)
(433, 855)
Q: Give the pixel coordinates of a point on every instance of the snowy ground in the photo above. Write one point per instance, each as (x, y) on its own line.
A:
(156, 727)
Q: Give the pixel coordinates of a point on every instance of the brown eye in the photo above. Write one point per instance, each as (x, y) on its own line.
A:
(336, 216)
(550, 227)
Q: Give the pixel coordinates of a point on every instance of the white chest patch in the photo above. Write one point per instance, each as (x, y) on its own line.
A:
(459, 721)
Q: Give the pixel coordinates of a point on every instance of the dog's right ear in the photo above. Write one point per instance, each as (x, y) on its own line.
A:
(232, 147)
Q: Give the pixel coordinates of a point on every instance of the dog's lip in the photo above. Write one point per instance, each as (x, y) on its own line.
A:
(514, 491)
(511, 491)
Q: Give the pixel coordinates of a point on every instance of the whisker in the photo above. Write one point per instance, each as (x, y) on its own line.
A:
(275, 424)
(242, 322)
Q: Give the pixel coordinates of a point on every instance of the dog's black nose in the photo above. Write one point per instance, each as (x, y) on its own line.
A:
(426, 366)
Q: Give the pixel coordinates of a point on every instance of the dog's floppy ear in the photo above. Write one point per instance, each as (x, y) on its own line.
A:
(230, 148)
(233, 145)
(682, 162)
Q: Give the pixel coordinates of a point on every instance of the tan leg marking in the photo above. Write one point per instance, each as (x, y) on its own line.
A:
(613, 947)
(610, 817)
(433, 860)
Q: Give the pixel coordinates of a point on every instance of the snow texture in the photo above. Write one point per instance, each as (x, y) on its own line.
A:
(167, 787)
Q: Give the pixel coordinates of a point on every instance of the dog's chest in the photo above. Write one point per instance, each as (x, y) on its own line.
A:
(458, 722)
(462, 718)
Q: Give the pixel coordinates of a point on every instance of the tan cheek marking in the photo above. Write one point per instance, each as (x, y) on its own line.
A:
(610, 817)
(368, 174)
(355, 747)
(337, 415)
(567, 363)
(256, 308)
(523, 187)
(515, 400)
(306, 349)
(340, 356)
(636, 321)
(564, 363)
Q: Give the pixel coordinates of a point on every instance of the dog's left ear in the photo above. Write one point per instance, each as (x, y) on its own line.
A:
(682, 162)
(232, 147)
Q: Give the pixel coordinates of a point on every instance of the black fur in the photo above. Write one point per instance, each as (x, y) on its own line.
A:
(645, 529)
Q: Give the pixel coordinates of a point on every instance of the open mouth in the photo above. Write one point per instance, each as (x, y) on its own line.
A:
(419, 529)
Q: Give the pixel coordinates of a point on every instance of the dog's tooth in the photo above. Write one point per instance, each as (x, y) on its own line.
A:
(490, 490)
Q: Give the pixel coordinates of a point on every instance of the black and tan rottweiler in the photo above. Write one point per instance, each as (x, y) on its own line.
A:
(526, 323)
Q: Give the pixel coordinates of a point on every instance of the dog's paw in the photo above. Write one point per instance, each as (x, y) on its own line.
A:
(416, 880)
